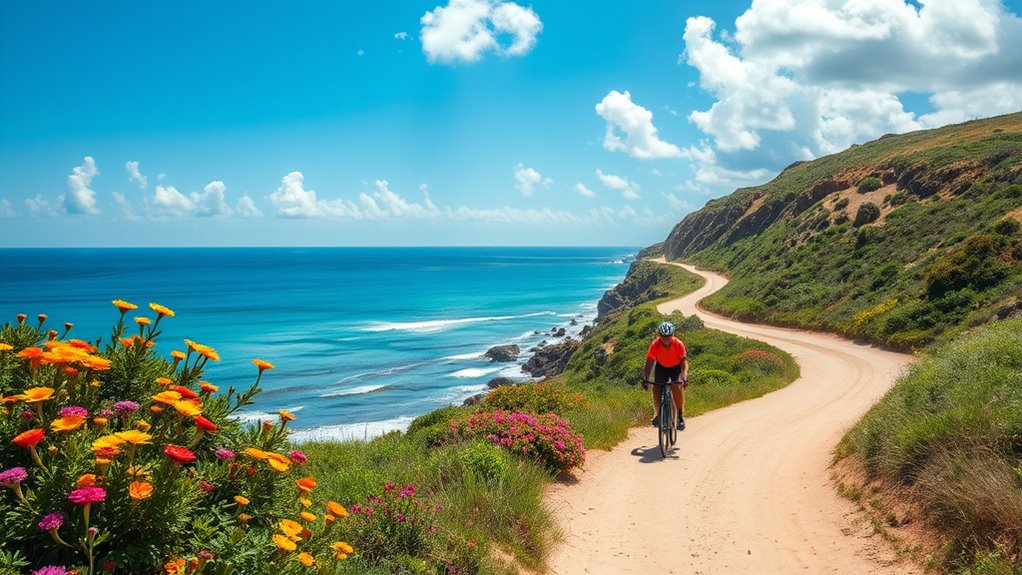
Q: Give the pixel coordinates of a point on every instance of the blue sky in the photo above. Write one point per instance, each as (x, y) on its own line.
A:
(465, 122)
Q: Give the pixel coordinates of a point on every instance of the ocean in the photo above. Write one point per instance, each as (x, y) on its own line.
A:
(363, 339)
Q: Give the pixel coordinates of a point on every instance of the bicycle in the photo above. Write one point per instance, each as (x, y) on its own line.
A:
(668, 429)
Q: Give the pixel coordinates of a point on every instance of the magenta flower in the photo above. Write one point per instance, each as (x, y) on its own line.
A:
(52, 521)
(407, 491)
(51, 570)
(298, 457)
(225, 454)
(206, 486)
(74, 411)
(87, 495)
(125, 407)
(13, 476)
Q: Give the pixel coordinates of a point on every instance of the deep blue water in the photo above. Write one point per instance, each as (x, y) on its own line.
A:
(364, 339)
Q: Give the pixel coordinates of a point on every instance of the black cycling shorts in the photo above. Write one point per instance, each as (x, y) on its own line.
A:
(662, 374)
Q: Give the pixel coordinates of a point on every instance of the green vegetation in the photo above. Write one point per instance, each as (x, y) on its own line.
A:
(460, 491)
(942, 254)
(951, 429)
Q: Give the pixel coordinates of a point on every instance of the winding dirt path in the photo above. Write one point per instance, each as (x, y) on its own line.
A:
(747, 490)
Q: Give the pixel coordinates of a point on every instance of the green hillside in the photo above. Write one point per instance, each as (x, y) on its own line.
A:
(901, 241)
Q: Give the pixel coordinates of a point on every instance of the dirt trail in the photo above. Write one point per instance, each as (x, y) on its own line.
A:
(747, 489)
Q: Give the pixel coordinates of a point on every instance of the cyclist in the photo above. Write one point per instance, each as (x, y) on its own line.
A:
(668, 354)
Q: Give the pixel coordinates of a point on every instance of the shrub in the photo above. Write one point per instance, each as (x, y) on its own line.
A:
(869, 184)
(546, 439)
(1005, 227)
(759, 361)
(840, 204)
(398, 522)
(147, 471)
(867, 212)
(532, 398)
(485, 460)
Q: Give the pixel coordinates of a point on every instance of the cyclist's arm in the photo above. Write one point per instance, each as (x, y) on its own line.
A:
(684, 368)
(646, 371)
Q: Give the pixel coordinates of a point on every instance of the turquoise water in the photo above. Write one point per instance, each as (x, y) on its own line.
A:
(364, 339)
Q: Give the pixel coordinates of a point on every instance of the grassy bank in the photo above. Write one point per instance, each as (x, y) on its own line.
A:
(951, 432)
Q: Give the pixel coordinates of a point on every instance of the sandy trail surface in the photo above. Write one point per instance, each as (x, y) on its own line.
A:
(747, 489)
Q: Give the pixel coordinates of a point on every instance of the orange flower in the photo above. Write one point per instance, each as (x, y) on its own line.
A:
(306, 559)
(188, 407)
(87, 480)
(185, 392)
(99, 421)
(336, 508)
(177, 355)
(256, 453)
(127, 341)
(164, 380)
(241, 500)
(29, 438)
(342, 550)
(37, 394)
(124, 306)
(278, 464)
(262, 365)
(244, 517)
(307, 516)
(67, 424)
(140, 490)
(161, 310)
(306, 484)
(142, 320)
(286, 416)
(168, 397)
(328, 518)
(134, 437)
(283, 543)
(203, 350)
(290, 528)
(142, 425)
(208, 387)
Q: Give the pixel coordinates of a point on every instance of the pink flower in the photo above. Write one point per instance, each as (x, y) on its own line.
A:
(87, 495)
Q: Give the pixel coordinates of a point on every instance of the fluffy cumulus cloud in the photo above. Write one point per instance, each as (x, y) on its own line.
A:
(6, 209)
(527, 179)
(168, 202)
(465, 30)
(629, 189)
(247, 208)
(796, 80)
(584, 191)
(630, 129)
(135, 176)
(40, 207)
(80, 197)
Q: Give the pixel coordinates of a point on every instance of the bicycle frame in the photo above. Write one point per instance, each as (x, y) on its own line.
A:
(668, 432)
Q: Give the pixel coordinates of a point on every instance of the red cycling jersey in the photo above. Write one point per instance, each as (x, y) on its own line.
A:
(667, 356)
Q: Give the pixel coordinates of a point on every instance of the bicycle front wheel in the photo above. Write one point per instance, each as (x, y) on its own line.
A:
(666, 423)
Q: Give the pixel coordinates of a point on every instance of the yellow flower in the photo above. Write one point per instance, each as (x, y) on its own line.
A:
(6, 347)
(188, 407)
(161, 310)
(290, 528)
(262, 365)
(336, 508)
(307, 516)
(37, 394)
(342, 550)
(134, 437)
(177, 355)
(140, 490)
(142, 320)
(278, 464)
(168, 397)
(286, 416)
(67, 423)
(124, 306)
(305, 501)
(284, 543)
(306, 559)
(164, 380)
(108, 443)
(241, 500)
(142, 425)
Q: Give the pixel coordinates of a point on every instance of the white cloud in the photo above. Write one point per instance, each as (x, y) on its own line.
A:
(464, 30)
(212, 201)
(80, 198)
(635, 123)
(292, 200)
(401, 35)
(799, 80)
(629, 190)
(6, 210)
(526, 180)
(246, 208)
(168, 202)
(677, 204)
(135, 176)
(511, 215)
(387, 204)
(40, 208)
(584, 191)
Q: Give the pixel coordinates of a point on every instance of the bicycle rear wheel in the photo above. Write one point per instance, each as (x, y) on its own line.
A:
(674, 429)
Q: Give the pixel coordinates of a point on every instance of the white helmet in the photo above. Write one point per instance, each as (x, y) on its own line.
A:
(666, 328)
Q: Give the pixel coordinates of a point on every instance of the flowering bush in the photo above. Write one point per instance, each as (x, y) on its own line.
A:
(398, 522)
(546, 438)
(532, 398)
(116, 460)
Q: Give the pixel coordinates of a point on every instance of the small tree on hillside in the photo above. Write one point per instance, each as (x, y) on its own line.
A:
(867, 213)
